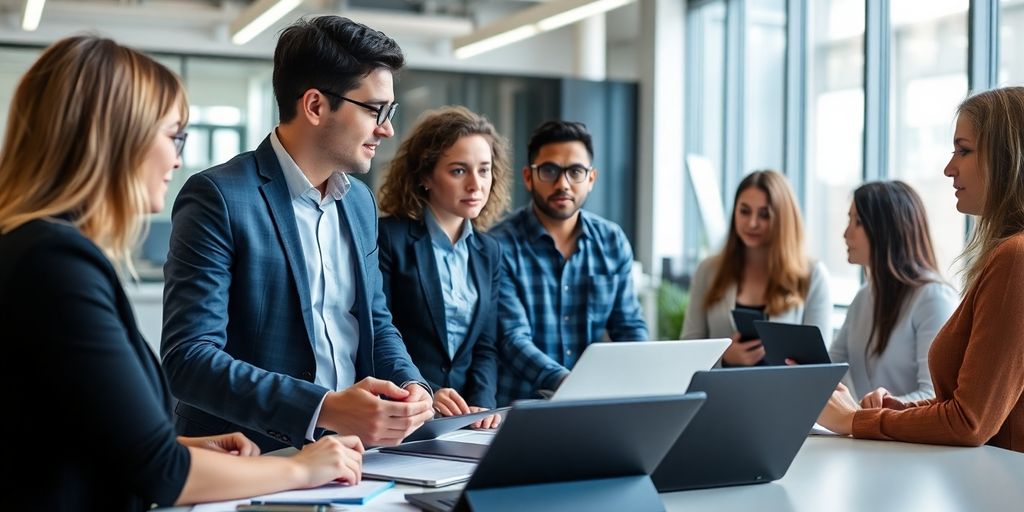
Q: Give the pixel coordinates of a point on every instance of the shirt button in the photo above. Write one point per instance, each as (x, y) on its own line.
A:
(566, 287)
(568, 352)
(565, 318)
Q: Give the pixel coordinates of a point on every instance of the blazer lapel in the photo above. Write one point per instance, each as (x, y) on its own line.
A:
(430, 280)
(478, 270)
(279, 202)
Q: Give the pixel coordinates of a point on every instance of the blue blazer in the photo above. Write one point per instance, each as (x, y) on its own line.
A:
(237, 334)
(65, 318)
(411, 282)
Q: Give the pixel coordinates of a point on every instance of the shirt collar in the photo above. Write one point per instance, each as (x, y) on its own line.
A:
(298, 184)
(437, 234)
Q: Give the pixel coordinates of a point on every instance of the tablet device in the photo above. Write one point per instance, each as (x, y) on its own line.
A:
(744, 319)
(440, 449)
(445, 424)
(801, 343)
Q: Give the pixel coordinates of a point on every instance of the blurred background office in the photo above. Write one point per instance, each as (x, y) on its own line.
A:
(683, 97)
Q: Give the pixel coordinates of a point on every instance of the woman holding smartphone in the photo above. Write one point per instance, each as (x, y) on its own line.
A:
(761, 269)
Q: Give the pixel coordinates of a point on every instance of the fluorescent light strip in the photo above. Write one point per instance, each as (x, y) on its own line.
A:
(264, 21)
(530, 28)
(580, 13)
(496, 41)
(33, 13)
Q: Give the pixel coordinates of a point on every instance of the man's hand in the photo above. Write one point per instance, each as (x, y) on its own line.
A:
(448, 402)
(234, 443)
(360, 411)
(743, 353)
(491, 421)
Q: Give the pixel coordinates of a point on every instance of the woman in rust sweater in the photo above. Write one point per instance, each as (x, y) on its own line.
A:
(977, 359)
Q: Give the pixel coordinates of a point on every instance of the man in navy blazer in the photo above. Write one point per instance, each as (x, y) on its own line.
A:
(275, 322)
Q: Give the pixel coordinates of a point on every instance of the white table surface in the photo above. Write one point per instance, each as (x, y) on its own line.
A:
(841, 474)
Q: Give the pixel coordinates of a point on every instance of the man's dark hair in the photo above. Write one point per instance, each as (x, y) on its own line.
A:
(559, 131)
(329, 53)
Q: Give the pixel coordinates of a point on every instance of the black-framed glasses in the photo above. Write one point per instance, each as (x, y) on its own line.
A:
(384, 112)
(551, 172)
(179, 142)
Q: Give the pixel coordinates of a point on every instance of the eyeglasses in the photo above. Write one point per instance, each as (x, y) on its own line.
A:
(551, 172)
(179, 142)
(384, 112)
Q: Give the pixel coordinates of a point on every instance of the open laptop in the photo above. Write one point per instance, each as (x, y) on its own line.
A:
(752, 426)
(638, 368)
(552, 455)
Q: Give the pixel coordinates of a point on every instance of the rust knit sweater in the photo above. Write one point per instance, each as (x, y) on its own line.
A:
(977, 366)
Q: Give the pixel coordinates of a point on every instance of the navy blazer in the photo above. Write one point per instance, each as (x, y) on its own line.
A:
(89, 413)
(237, 337)
(411, 281)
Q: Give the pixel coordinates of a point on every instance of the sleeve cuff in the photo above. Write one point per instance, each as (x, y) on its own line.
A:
(420, 384)
(316, 417)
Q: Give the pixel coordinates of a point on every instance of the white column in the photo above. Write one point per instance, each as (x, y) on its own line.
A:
(660, 175)
(590, 41)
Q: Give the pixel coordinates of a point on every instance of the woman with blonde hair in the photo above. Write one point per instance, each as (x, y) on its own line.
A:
(762, 268)
(94, 132)
(447, 183)
(977, 359)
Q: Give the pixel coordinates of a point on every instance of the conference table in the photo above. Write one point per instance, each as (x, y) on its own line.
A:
(838, 474)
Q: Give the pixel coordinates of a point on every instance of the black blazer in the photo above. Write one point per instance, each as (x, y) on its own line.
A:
(413, 289)
(89, 408)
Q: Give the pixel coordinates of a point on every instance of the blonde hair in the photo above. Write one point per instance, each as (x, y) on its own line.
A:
(997, 117)
(80, 124)
(401, 193)
(788, 269)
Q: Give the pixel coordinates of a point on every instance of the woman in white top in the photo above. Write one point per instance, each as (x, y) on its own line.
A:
(894, 318)
(762, 267)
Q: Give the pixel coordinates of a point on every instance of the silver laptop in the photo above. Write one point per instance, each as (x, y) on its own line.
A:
(639, 368)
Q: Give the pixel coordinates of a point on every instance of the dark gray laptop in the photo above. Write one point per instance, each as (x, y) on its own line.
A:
(751, 427)
(573, 455)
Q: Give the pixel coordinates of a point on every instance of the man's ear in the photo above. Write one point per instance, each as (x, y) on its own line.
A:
(592, 178)
(313, 106)
(528, 178)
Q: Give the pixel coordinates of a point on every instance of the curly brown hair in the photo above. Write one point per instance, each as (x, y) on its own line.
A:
(401, 193)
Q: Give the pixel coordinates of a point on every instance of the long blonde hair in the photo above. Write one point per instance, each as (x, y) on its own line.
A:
(788, 268)
(80, 124)
(401, 193)
(997, 117)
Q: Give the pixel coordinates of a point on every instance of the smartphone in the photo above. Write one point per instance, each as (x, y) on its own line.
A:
(744, 319)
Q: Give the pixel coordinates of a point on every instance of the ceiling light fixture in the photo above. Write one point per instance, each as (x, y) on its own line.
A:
(259, 17)
(33, 12)
(530, 22)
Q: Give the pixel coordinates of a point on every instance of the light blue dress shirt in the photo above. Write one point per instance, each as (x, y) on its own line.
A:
(459, 291)
(327, 252)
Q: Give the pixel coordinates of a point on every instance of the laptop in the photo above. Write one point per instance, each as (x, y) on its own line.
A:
(638, 368)
(548, 451)
(752, 426)
(801, 343)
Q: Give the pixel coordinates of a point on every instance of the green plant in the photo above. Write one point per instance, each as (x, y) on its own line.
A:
(672, 303)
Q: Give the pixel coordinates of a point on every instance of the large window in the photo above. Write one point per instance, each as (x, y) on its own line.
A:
(1011, 42)
(764, 94)
(835, 133)
(705, 124)
(928, 77)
